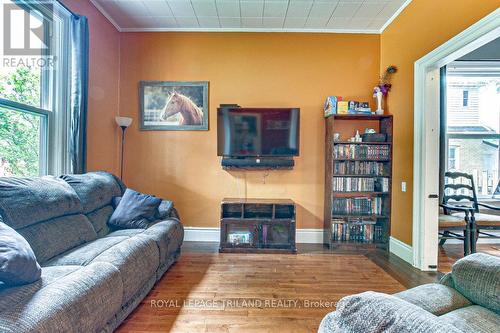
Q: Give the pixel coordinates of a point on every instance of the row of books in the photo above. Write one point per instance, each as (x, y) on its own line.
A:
(360, 184)
(356, 232)
(359, 168)
(357, 206)
(357, 151)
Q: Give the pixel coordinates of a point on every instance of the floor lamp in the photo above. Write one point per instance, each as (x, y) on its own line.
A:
(123, 122)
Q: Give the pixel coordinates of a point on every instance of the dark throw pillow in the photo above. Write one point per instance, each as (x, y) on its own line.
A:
(135, 210)
(18, 263)
(164, 209)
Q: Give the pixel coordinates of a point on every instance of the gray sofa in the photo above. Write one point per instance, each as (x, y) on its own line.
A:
(465, 300)
(92, 276)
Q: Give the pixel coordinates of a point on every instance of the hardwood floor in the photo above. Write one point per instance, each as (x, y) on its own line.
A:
(210, 292)
(449, 253)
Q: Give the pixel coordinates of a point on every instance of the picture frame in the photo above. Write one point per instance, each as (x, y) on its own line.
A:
(173, 105)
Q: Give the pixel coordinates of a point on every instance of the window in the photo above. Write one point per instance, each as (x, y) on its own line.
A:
(453, 158)
(33, 88)
(473, 122)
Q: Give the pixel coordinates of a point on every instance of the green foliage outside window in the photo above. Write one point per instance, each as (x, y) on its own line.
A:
(20, 131)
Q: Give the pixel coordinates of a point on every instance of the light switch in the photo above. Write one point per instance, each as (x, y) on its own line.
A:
(403, 186)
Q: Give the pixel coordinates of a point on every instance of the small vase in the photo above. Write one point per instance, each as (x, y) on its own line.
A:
(379, 96)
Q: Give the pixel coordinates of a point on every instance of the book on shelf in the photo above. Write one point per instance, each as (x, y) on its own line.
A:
(357, 206)
(360, 168)
(360, 184)
(357, 232)
(357, 151)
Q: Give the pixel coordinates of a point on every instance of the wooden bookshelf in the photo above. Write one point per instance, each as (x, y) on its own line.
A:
(365, 210)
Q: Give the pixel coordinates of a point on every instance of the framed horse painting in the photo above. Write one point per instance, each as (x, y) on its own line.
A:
(173, 106)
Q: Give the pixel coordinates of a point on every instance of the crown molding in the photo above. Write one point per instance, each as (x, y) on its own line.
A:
(106, 15)
(275, 30)
(393, 17)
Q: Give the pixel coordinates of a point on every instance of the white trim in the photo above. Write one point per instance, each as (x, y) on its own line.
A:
(309, 236)
(396, 14)
(426, 109)
(402, 250)
(200, 234)
(333, 31)
(106, 15)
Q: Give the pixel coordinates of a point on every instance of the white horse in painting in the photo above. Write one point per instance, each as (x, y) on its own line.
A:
(178, 103)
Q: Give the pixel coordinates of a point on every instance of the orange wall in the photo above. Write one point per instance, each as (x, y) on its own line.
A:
(102, 133)
(251, 69)
(420, 28)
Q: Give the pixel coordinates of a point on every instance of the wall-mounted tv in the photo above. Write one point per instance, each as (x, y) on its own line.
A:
(258, 132)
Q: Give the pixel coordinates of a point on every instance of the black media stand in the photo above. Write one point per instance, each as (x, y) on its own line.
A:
(257, 225)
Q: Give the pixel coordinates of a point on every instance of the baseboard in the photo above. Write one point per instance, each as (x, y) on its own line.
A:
(199, 234)
(309, 236)
(402, 250)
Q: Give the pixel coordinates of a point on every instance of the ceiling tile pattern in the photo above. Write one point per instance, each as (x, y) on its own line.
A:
(370, 16)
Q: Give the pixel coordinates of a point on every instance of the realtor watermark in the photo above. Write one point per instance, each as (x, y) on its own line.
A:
(232, 303)
(27, 32)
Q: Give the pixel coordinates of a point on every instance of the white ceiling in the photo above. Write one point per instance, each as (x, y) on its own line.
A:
(362, 16)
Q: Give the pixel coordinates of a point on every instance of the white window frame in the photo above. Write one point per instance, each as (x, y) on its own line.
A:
(54, 90)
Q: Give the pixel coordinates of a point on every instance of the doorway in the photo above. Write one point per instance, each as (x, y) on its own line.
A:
(469, 145)
(427, 130)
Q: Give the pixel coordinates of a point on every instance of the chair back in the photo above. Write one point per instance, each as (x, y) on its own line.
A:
(459, 190)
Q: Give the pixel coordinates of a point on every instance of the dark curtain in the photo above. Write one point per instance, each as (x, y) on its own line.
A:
(79, 93)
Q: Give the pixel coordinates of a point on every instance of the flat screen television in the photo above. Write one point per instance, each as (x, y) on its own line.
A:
(258, 132)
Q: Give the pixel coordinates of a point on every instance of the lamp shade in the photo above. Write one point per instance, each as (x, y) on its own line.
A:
(123, 121)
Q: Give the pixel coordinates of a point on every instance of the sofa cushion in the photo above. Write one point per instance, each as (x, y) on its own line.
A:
(82, 301)
(18, 264)
(375, 312)
(51, 238)
(477, 277)
(11, 297)
(26, 201)
(125, 232)
(137, 259)
(473, 318)
(84, 254)
(135, 210)
(99, 219)
(435, 298)
(95, 189)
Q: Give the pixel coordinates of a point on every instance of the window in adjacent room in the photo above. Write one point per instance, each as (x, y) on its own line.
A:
(473, 122)
(453, 158)
(465, 98)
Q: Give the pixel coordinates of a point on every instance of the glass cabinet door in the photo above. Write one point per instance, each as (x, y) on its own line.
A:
(238, 235)
(275, 234)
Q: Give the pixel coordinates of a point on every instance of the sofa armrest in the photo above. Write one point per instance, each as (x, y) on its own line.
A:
(477, 277)
(376, 312)
(435, 298)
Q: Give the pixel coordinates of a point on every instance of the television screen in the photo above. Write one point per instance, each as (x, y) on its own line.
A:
(251, 132)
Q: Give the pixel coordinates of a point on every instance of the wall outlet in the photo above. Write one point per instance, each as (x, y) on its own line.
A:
(403, 186)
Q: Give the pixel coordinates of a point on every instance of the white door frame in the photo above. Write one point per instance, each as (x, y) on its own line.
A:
(426, 134)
